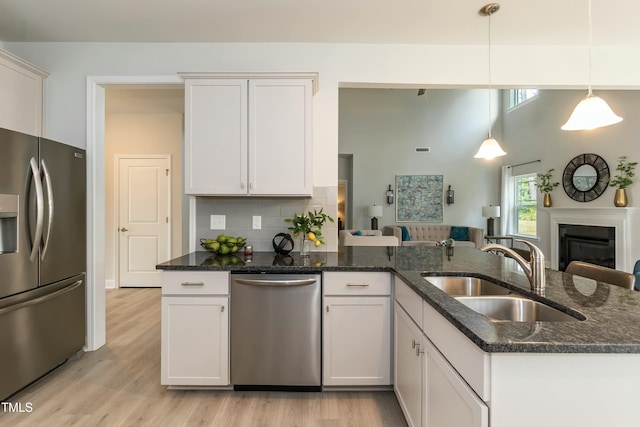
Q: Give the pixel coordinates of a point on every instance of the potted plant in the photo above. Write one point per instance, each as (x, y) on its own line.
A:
(546, 186)
(309, 227)
(622, 180)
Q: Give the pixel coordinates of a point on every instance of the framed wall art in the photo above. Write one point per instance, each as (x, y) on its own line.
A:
(419, 198)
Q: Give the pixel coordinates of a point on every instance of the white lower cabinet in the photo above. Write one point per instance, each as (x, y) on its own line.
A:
(409, 367)
(449, 400)
(430, 391)
(356, 329)
(195, 329)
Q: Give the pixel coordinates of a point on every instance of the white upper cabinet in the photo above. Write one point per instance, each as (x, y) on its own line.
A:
(22, 100)
(248, 136)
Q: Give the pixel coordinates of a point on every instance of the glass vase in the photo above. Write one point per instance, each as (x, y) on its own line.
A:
(305, 246)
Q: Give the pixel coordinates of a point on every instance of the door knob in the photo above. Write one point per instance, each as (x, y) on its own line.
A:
(123, 229)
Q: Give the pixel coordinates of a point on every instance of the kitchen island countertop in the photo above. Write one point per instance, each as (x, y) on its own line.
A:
(612, 313)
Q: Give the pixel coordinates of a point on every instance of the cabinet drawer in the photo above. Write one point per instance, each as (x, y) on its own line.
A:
(357, 283)
(195, 282)
(409, 300)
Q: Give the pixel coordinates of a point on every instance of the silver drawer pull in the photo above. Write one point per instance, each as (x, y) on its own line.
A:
(192, 283)
(362, 284)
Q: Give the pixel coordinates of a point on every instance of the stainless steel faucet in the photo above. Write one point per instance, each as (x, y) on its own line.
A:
(533, 269)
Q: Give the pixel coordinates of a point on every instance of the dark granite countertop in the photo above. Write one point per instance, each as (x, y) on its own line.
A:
(612, 313)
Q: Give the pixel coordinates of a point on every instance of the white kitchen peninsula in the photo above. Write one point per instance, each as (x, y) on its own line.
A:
(457, 367)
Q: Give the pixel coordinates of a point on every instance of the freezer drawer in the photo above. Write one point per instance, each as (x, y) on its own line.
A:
(39, 330)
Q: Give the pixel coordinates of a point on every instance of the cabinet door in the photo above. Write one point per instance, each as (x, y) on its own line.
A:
(408, 367)
(450, 402)
(215, 155)
(357, 341)
(22, 89)
(280, 146)
(195, 341)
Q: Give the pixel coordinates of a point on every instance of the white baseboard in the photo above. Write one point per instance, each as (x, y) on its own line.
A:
(109, 284)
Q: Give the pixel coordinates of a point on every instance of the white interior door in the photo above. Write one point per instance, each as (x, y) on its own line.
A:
(143, 218)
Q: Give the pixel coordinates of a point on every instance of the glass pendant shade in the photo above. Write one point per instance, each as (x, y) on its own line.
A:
(591, 113)
(489, 149)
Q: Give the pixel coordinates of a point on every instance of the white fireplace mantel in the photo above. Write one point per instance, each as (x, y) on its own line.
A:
(619, 218)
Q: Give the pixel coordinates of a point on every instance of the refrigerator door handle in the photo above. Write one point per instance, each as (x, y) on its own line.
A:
(47, 180)
(39, 208)
(41, 299)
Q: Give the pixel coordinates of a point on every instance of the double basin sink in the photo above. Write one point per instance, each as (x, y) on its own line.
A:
(497, 302)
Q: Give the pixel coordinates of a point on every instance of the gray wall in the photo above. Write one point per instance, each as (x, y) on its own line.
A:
(382, 128)
(533, 129)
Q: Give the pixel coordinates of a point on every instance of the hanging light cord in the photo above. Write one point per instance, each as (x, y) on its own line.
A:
(490, 75)
(589, 93)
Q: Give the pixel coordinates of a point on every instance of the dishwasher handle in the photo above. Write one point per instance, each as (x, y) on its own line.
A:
(267, 282)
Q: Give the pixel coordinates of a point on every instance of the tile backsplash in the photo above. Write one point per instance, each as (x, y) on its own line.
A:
(239, 212)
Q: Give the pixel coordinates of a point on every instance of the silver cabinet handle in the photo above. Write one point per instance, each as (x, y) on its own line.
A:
(414, 343)
(419, 351)
(192, 283)
(47, 181)
(124, 229)
(358, 284)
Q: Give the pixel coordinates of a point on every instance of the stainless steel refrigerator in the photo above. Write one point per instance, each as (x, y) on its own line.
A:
(42, 257)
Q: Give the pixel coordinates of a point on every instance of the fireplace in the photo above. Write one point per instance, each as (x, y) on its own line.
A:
(588, 243)
(617, 219)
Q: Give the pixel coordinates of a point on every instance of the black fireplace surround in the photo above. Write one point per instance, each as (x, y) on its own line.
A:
(588, 243)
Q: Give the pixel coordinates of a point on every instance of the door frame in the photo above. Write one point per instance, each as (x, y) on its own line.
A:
(116, 206)
(96, 223)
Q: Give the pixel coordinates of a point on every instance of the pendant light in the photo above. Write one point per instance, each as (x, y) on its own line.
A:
(592, 112)
(490, 148)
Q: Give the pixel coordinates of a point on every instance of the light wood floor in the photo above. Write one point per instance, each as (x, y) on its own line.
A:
(119, 385)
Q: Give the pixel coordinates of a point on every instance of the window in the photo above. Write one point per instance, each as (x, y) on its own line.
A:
(518, 96)
(525, 207)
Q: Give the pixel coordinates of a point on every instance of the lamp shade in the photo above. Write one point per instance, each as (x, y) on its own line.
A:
(489, 149)
(491, 211)
(374, 210)
(591, 113)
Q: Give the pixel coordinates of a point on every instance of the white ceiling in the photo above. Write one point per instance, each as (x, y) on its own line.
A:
(327, 21)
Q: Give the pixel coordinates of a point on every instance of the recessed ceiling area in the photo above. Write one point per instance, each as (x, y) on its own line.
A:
(447, 22)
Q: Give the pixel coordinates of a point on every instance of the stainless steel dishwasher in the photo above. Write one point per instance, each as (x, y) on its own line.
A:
(275, 332)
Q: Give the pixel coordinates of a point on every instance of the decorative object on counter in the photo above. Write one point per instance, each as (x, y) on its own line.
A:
(585, 177)
(309, 227)
(592, 112)
(389, 196)
(374, 212)
(546, 186)
(419, 198)
(490, 212)
(490, 148)
(449, 196)
(248, 250)
(223, 245)
(282, 243)
(622, 180)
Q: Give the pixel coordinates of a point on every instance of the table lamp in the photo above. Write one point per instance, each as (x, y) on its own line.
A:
(490, 212)
(373, 212)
